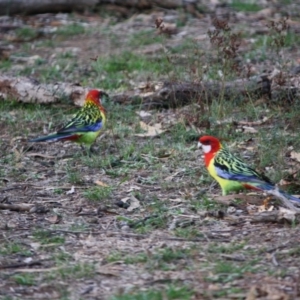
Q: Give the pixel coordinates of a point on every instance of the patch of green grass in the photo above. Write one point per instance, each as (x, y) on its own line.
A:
(5, 65)
(26, 33)
(24, 279)
(71, 29)
(179, 133)
(247, 6)
(185, 46)
(98, 193)
(227, 292)
(169, 258)
(226, 248)
(58, 191)
(151, 223)
(74, 176)
(61, 257)
(116, 70)
(266, 42)
(168, 255)
(14, 248)
(292, 39)
(127, 258)
(172, 292)
(188, 232)
(74, 271)
(224, 271)
(144, 38)
(77, 271)
(47, 237)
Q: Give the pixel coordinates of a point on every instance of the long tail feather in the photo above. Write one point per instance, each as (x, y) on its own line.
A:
(52, 137)
(290, 197)
(268, 187)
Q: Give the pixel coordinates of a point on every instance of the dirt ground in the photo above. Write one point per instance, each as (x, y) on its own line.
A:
(142, 219)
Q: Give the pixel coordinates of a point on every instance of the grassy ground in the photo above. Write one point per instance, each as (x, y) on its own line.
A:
(139, 220)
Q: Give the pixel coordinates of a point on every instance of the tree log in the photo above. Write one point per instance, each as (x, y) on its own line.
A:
(29, 90)
(175, 94)
(142, 4)
(149, 95)
(11, 7)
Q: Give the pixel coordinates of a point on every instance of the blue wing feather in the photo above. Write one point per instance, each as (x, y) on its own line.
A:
(86, 128)
(238, 177)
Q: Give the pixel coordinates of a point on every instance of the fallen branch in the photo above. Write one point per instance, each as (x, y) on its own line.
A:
(10, 7)
(174, 94)
(22, 264)
(277, 216)
(45, 6)
(254, 123)
(17, 207)
(32, 208)
(149, 95)
(28, 90)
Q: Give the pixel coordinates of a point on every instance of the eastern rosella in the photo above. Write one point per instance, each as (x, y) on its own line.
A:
(231, 172)
(85, 126)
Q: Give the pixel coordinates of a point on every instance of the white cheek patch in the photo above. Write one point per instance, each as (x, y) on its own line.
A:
(199, 145)
(206, 148)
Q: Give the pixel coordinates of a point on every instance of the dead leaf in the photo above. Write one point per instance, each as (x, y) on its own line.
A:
(287, 214)
(295, 155)
(179, 200)
(71, 191)
(143, 114)
(171, 177)
(133, 188)
(109, 270)
(165, 153)
(124, 200)
(98, 182)
(54, 219)
(266, 292)
(165, 28)
(248, 129)
(263, 207)
(151, 131)
(134, 203)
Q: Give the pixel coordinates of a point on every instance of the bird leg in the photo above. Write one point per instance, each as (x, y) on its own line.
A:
(93, 150)
(85, 151)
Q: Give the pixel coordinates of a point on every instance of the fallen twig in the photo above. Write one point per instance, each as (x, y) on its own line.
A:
(23, 264)
(17, 207)
(254, 123)
(32, 208)
(277, 216)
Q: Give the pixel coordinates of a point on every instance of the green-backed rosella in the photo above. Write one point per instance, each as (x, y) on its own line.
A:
(231, 172)
(85, 126)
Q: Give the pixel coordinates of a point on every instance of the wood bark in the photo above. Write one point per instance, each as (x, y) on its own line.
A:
(29, 90)
(175, 94)
(11, 7)
(149, 95)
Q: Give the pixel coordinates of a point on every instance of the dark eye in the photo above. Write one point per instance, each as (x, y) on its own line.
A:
(205, 142)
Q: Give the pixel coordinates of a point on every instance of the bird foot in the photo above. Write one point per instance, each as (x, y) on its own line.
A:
(94, 151)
